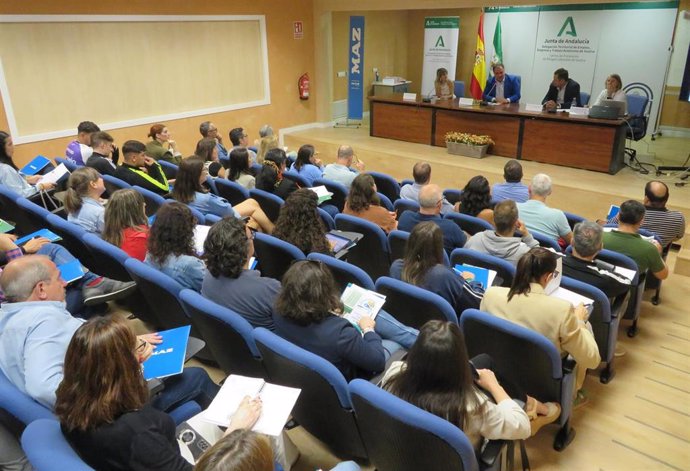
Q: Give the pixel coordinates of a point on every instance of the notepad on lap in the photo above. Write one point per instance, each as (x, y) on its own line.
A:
(277, 403)
(360, 302)
(168, 356)
(36, 165)
(54, 175)
(571, 296)
(322, 193)
(48, 234)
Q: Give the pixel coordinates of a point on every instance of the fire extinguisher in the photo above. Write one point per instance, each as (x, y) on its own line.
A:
(303, 87)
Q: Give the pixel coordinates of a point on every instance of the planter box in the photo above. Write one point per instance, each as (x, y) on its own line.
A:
(476, 152)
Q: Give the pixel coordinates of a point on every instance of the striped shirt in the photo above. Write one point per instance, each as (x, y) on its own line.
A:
(668, 225)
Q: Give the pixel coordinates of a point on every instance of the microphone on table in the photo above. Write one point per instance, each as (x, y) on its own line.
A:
(427, 98)
(484, 102)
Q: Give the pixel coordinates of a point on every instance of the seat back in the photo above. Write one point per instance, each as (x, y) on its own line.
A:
(459, 88)
(73, 239)
(339, 191)
(343, 272)
(452, 195)
(297, 178)
(387, 185)
(323, 408)
(35, 216)
(385, 202)
(269, 203)
(526, 357)
(153, 200)
(112, 184)
(19, 405)
(638, 283)
(48, 450)
(397, 241)
(573, 219)
(639, 97)
(275, 255)
(584, 98)
(10, 210)
(412, 305)
(469, 224)
(231, 191)
(71, 166)
(402, 437)
(327, 219)
(402, 205)
(211, 184)
(546, 241)
(371, 253)
(504, 269)
(169, 169)
(109, 260)
(227, 334)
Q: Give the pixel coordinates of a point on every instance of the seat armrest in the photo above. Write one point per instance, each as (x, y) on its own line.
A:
(491, 453)
(568, 364)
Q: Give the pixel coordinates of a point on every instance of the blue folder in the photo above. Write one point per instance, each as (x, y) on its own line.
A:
(481, 275)
(71, 271)
(48, 234)
(168, 357)
(35, 166)
(613, 211)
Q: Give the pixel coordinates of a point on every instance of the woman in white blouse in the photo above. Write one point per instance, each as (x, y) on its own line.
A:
(613, 91)
(438, 377)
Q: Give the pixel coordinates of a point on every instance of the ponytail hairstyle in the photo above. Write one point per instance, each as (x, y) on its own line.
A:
(155, 130)
(78, 187)
(530, 268)
(423, 251)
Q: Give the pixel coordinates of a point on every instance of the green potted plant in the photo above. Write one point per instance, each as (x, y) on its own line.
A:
(469, 145)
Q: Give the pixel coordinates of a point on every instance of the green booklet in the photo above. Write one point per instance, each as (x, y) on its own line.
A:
(5, 226)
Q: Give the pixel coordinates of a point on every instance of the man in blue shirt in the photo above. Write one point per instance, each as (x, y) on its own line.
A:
(341, 171)
(422, 176)
(430, 203)
(512, 189)
(502, 88)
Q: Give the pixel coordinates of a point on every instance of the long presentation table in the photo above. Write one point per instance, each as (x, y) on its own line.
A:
(553, 138)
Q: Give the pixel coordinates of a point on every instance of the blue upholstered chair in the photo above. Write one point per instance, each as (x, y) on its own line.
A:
(387, 185)
(275, 255)
(227, 334)
(112, 184)
(169, 169)
(297, 178)
(526, 358)
(584, 98)
(385, 202)
(452, 195)
(371, 253)
(11, 211)
(573, 219)
(327, 219)
(269, 203)
(19, 405)
(343, 272)
(469, 224)
(48, 450)
(71, 166)
(402, 205)
(338, 189)
(73, 239)
(402, 437)
(35, 216)
(231, 191)
(459, 88)
(412, 305)
(153, 200)
(397, 241)
(109, 260)
(546, 241)
(324, 407)
(504, 270)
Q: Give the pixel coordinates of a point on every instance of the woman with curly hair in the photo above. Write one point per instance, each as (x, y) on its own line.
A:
(126, 225)
(476, 199)
(270, 178)
(171, 246)
(207, 150)
(299, 223)
(189, 190)
(363, 202)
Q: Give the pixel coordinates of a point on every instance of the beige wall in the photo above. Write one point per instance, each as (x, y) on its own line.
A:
(288, 59)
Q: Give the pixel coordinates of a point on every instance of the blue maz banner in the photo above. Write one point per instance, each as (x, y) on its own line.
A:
(355, 92)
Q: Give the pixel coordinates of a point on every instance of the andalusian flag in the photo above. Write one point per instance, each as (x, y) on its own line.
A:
(479, 72)
(497, 57)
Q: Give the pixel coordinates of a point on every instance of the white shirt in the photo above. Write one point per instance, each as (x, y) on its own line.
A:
(500, 94)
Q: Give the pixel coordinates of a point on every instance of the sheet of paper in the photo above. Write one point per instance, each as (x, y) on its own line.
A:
(200, 234)
(54, 175)
(361, 302)
(572, 297)
(626, 272)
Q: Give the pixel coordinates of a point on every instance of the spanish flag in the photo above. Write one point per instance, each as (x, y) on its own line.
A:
(479, 71)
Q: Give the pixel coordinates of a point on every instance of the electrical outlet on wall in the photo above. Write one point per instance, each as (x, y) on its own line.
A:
(342, 73)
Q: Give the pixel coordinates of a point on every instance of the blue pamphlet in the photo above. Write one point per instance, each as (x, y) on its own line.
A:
(35, 166)
(48, 234)
(168, 357)
(481, 275)
(613, 212)
(71, 271)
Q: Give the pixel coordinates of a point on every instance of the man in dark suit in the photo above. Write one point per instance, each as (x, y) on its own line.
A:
(502, 88)
(562, 92)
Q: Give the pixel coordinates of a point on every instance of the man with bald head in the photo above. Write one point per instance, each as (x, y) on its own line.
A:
(342, 170)
(421, 172)
(668, 225)
(430, 202)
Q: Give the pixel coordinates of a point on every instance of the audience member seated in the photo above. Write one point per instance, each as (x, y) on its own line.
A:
(341, 171)
(270, 177)
(502, 242)
(207, 151)
(613, 91)
(539, 217)
(430, 206)
(476, 199)
(240, 140)
(35, 330)
(239, 170)
(527, 304)
(421, 172)
(90, 289)
(513, 188)
(626, 240)
(309, 314)
(126, 225)
(266, 144)
(299, 223)
(362, 201)
(9, 172)
(103, 408)
(229, 282)
(423, 266)
(83, 199)
(171, 246)
(160, 135)
(79, 150)
(307, 164)
(208, 129)
(189, 189)
(438, 376)
(141, 170)
(669, 225)
(105, 155)
(580, 265)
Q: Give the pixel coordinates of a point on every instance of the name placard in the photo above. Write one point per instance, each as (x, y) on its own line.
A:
(465, 101)
(534, 107)
(409, 97)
